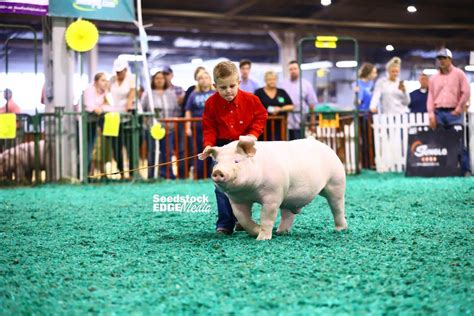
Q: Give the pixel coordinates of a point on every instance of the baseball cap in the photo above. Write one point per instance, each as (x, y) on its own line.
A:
(167, 69)
(120, 64)
(444, 53)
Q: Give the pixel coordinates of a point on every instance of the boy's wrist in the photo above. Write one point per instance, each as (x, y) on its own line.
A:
(253, 136)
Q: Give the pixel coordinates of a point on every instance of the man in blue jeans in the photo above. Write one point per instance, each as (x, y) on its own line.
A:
(448, 95)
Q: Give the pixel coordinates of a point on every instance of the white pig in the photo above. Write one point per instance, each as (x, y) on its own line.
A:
(277, 174)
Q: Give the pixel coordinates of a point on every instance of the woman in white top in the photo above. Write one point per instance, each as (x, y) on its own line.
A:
(390, 92)
(122, 88)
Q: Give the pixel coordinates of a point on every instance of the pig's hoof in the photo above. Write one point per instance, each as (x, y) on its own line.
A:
(263, 236)
(283, 232)
(340, 228)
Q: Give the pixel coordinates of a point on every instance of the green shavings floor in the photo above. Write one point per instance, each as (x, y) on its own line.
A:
(100, 249)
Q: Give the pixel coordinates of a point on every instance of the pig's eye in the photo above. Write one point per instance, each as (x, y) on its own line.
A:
(236, 161)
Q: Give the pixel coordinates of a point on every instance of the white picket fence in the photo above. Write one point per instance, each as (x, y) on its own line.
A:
(342, 141)
(391, 139)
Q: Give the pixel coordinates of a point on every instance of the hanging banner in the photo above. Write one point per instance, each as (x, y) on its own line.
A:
(111, 124)
(7, 125)
(110, 10)
(30, 7)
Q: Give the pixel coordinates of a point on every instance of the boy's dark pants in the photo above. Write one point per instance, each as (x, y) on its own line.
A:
(225, 217)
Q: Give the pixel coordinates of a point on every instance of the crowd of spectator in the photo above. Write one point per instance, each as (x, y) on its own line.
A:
(444, 96)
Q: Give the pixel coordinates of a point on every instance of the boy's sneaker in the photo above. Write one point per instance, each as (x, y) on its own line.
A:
(223, 231)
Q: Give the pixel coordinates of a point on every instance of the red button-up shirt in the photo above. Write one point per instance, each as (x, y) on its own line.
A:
(245, 115)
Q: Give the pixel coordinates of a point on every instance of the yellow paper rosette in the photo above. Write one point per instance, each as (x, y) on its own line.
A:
(157, 132)
(82, 36)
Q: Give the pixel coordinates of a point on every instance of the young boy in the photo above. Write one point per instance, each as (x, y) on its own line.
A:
(229, 114)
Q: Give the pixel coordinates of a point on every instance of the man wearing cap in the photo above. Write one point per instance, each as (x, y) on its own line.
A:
(179, 93)
(448, 95)
(10, 105)
(122, 88)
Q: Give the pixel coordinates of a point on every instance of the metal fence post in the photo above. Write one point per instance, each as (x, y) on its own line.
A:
(58, 116)
(36, 133)
(135, 145)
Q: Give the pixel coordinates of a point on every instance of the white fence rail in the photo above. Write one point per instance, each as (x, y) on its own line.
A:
(391, 139)
(342, 141)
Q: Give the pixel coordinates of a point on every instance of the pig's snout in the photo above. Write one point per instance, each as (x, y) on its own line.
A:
(218, 176)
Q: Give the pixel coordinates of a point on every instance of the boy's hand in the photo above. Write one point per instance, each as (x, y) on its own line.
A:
(208, 151)
(253, 136)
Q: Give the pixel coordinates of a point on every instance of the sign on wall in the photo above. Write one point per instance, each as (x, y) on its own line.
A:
(111, 10)
(433, 153)
(30, 7)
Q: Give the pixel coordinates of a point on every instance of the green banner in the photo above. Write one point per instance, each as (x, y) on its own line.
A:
(110, 10)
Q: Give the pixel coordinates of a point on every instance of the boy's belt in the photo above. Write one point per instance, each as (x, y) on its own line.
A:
(222, 142)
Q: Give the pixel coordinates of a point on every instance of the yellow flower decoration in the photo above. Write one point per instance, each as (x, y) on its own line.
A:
(157, 132)
(321, 73)
(82, 36)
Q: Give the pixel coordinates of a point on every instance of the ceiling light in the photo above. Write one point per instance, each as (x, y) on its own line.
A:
(316, 65)
(389, 48)
(430, 71)
(469, 68)
(325, 2)
(346, 64)
(130, 57)
(196, 61)
(411, 9)
(154, 38)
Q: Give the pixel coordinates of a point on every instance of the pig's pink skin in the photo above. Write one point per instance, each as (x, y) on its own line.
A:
(285, 175)
(21, 161)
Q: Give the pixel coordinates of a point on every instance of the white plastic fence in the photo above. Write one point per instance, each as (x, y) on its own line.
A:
(391, 139)
(342, 141)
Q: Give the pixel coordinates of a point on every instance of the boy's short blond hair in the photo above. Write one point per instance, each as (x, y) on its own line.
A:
(225, 69)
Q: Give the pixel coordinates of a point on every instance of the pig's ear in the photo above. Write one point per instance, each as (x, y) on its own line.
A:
(208, 152)
(247, 144)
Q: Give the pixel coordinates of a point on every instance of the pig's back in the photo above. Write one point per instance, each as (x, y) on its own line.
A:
(300, 153)
(309, 164)
(312, 156)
